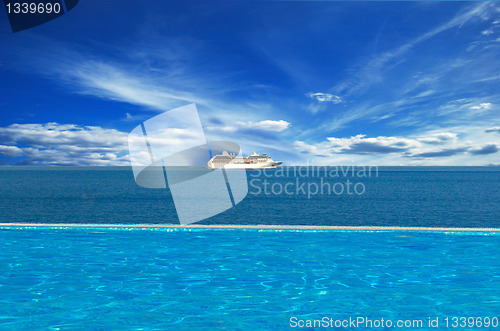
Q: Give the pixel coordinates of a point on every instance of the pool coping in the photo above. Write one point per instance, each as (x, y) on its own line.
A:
(253, 227)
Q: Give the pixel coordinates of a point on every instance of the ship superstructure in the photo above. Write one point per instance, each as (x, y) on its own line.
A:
(231, 161)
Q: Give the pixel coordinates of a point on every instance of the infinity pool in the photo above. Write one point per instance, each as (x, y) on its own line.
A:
(239, 279)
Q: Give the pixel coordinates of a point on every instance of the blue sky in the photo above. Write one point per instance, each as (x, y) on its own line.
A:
(378, 83)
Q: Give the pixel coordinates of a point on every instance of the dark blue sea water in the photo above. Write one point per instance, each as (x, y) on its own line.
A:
(398, 196)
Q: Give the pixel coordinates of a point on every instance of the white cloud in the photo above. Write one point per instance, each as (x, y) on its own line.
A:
(60, 135)
(71, 144)
(266, 125)
(64, 144)
(482, 106)
(470, 147)
(10, 151)
(439, 138)
(359, 144)
(486, 32)
(325, 97)
(54, 156)
(493, 129)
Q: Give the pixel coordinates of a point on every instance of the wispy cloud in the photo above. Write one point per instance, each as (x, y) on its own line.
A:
(425, 94)
(325, 97)
(266, 125)
(372, 72)
(362, 112)
(108, 81)
(482, 106)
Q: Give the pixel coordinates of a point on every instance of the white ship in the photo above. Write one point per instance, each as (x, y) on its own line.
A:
(231, 161)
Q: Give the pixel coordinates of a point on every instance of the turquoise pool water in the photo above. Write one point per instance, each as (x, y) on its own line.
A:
(240, 279)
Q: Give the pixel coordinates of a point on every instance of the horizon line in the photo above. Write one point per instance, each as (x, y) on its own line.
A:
(250, 227)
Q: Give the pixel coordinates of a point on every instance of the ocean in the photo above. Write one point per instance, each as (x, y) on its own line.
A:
(384, 196)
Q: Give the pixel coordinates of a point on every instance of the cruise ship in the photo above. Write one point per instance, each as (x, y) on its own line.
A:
(231, 161)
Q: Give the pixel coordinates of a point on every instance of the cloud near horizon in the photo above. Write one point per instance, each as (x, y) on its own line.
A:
(487, 149)
(64, 144)
(361, 145)
(403, 149)
(439, 138)
(71, 144)
(493, 129)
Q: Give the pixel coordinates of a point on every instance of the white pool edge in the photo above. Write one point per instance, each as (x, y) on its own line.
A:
(252, 227)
